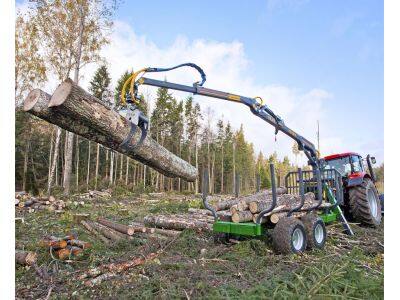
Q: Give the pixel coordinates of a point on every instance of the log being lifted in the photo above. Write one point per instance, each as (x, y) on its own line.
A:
(75, 110)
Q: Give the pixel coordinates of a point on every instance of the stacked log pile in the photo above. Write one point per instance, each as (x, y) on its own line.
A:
(24, 200)
(66, 247)
(237, 210)
(96, 194)
(112, 232)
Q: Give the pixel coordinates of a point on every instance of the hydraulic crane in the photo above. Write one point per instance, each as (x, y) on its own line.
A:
(324, 183)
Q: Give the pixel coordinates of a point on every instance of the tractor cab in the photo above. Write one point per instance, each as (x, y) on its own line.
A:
(351, 166)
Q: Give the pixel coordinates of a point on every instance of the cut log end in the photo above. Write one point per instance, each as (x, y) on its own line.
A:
(61, 93)
(31, 99)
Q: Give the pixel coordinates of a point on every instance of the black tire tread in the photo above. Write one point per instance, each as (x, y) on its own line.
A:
(359, 207)
(309, 221)
(282, 235)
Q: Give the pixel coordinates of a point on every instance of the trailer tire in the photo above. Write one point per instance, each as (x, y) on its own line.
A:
(365, 206)
(315, 230)
(289, 236)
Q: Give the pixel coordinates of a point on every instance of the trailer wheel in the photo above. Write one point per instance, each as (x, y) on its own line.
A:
(316, 231)
(365, 206)
(289, 236)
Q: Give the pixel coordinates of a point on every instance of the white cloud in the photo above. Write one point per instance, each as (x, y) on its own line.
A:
(228, 69)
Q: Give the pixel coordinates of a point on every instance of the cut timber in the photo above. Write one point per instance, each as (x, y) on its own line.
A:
(75, 110)
(107, 232)
(224, 215)
(265, 218)
(53, 243)
(170, 233)
(224, 205)
(171, 222)
(93, 231)
(129, 230)
(25, 257)
(78, 218)
(105, 272)
(79, 243)
(274, 218)
(63, 254)
(242, 216)
(288, 200)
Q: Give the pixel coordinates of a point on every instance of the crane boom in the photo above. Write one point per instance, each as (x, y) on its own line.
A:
(260, 110)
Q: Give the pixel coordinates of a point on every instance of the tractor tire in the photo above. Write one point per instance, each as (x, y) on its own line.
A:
(315, 230)
(365, 206)
(289, 236)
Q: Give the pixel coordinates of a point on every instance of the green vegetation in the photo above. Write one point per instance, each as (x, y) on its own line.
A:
(193, 266)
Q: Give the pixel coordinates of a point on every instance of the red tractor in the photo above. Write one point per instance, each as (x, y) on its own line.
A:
(361, 199)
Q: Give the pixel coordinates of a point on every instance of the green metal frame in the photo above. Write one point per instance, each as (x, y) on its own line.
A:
(247, 229)
(252, 229)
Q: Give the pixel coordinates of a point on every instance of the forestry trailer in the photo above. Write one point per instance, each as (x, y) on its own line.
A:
(340, 182)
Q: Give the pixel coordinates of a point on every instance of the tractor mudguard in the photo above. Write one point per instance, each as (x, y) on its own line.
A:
(355, 181)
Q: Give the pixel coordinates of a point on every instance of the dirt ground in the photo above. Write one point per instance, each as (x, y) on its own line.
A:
(192, 265)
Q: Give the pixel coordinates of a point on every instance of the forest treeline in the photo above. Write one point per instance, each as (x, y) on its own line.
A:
(57, 39)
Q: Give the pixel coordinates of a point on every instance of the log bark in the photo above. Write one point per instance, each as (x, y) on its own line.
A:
(224, 205)
(287, 200)
(73, 109)
(169, 222)
(53, 243)
(104, 272)
(107, 232)
(79, 243)
(129, 230)
(25, 257)
(242, 216)
(93, 231)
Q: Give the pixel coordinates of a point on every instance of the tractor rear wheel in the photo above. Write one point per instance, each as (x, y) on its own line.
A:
(289, 236)
(365, 206)
(316, 231)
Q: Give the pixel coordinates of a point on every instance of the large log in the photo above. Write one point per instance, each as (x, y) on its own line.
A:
(75, 110)
(129, 230)
(171, 222)
(289, 201)
(262, 195)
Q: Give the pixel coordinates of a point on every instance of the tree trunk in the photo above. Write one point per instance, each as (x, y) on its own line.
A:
(111, 167)
(77, 163)
(88, 167)
(234, 167)
(97, 166)
(26, 152)
(121, 167)
(77, 111)
(222, 168)
(107, 152)
(197, 167)
(50, 153)
(127, 171)
(55, 161)
(68, 162)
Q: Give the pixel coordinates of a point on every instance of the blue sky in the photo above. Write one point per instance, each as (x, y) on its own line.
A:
(309, 59)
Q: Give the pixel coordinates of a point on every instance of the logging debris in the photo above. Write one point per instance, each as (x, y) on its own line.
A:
(65, 247)
(24, 200)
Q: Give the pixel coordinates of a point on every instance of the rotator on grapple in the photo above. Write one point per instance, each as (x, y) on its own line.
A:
(290, 234)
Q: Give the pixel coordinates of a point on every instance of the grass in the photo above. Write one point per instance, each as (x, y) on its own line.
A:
(194, 267)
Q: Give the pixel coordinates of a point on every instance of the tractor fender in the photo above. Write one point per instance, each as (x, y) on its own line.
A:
(357, 180)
